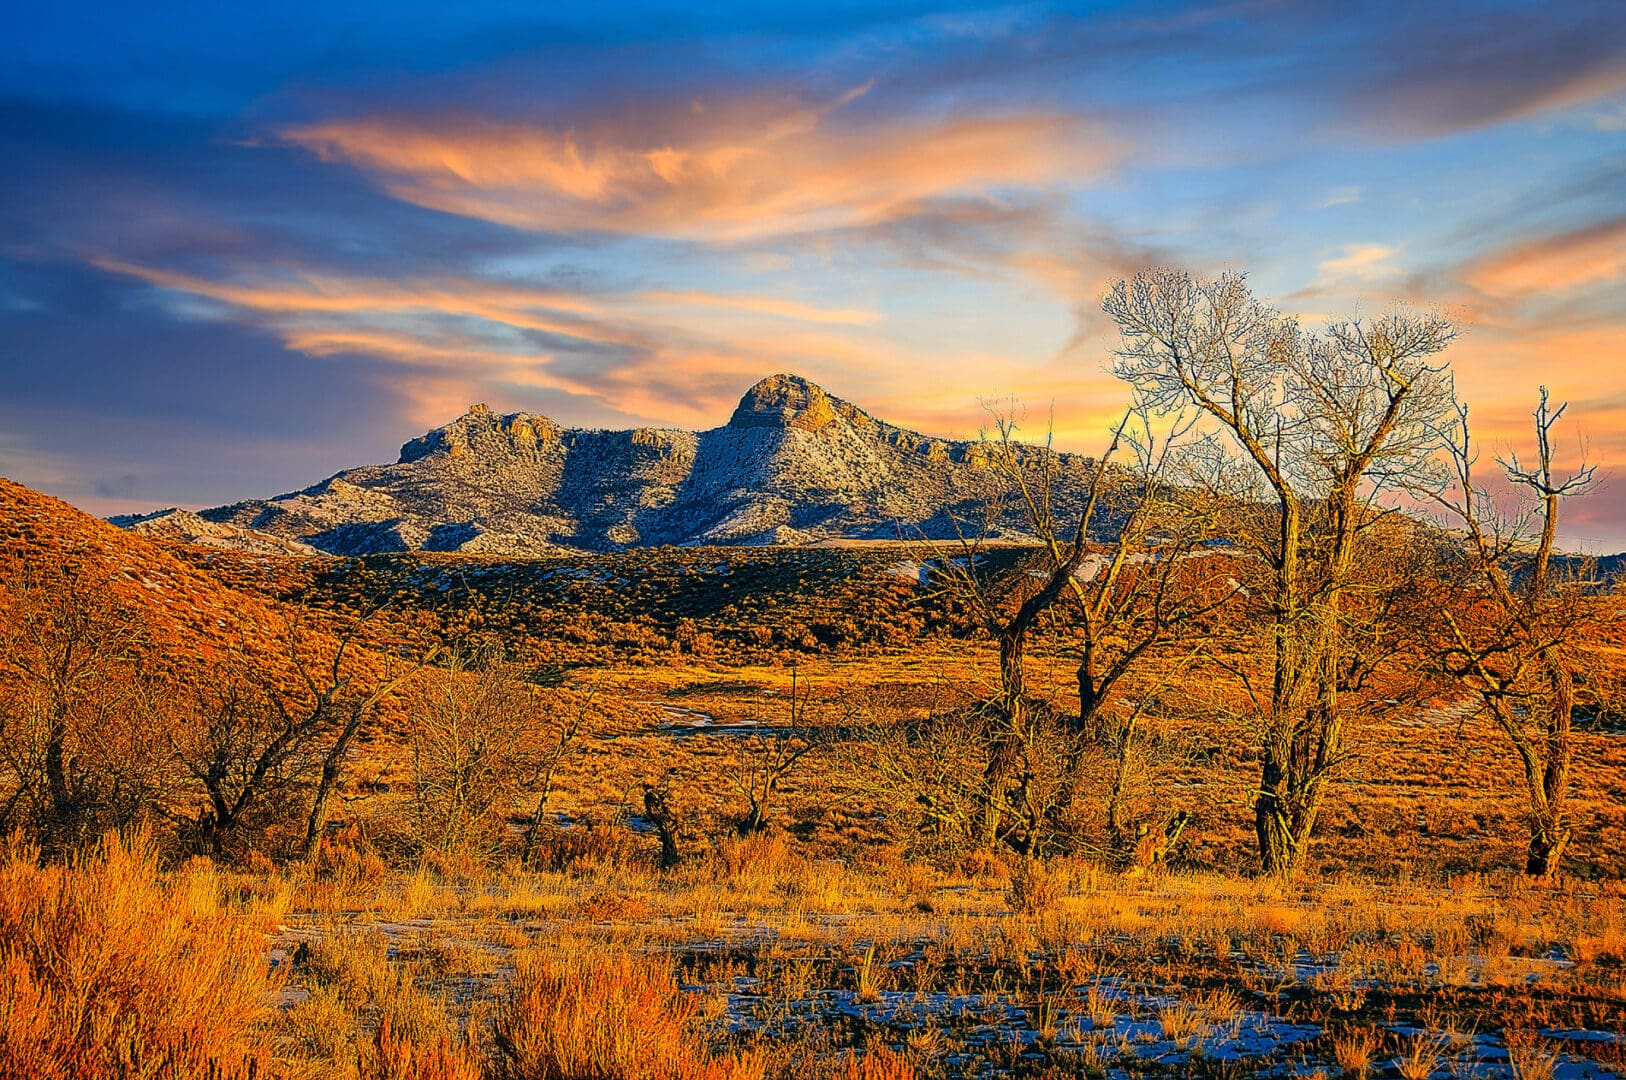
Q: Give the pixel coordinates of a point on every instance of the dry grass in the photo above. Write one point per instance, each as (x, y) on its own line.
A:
(1421, 1056)
(573, 1016)
(1353, 1048)
(393, 1056)
(105, 971)
(1530, 1057)
(877, 1063)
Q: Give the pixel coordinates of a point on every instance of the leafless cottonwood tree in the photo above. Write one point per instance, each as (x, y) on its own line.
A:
(81, 722)
(1007, 605)
(343, 698)
(247, 749)
(269, 725)
(1325, 423)
(1512, 638)
(469, 723)
(1134, 591)
(549, 747)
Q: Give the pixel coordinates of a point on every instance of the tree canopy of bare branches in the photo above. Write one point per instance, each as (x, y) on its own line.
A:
(1322, 425)
(80, 719)
(1511, 631)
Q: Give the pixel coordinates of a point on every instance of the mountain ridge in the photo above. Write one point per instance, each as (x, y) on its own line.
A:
(793, 464)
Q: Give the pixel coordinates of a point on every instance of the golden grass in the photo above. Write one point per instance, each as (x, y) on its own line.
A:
(575, 1016)
(1353, 1048)
(105, 971)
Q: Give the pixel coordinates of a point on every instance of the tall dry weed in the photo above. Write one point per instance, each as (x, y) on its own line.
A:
(106, 971)
(579, 1016)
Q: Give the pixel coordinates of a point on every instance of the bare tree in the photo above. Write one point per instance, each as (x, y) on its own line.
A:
(1007, 605)
(469, 721)
(1325, 424)
(667, 816)
(342, 698)
(927, 757)
(77, 711)
(270, 724)
(1136, 590)
(248, 746)
(551, 747)
(763, 760)
(1512, 639)
(1130, 591)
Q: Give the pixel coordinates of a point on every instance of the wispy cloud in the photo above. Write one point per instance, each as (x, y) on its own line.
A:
(1364, 261)
(1590, 255)
(722, 171)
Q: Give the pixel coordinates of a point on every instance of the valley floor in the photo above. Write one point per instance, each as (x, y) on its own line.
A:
(797, 965)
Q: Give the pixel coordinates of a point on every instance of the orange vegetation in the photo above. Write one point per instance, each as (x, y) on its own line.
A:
(105, 972)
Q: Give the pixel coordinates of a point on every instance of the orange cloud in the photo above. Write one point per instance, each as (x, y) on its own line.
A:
(765, 305)
(307, 294)
(647, 354)
(1552, 264)
(736, 172)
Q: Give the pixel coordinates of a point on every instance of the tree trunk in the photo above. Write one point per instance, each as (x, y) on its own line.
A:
(663, 815)
(535, 827)
(1547, 843)
(1279, 849)
(332, 766)
(1006, 744)
(1282, 820)
(56, 772)
(1549, 834)
(1089, 697)
(318, 815)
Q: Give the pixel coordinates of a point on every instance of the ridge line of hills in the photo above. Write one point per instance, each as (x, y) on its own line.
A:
(793, 465)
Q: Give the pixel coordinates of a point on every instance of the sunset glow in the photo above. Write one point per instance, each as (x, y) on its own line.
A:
(239, 252)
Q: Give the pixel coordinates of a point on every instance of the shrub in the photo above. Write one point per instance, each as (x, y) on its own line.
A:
(1034, 888)
(105, 971)
(393, 1056)
(585, 1017)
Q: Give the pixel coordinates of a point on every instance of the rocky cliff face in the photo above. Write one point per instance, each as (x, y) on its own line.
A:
(794, 464)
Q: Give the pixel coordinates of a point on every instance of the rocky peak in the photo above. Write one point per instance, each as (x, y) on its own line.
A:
(482, 429)
(784, 401)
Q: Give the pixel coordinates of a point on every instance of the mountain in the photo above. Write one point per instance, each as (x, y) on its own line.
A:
(793, 465)
(185, 527)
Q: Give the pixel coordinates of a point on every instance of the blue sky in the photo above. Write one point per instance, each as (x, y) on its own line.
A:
(242, 249)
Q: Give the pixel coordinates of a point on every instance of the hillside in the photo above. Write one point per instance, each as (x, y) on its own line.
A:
(188, 613)
(793, 465)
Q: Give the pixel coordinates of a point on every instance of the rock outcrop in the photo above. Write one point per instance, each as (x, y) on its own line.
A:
(188, 528)
(794, 464)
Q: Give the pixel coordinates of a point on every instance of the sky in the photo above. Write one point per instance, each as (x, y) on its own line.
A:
(243, 247)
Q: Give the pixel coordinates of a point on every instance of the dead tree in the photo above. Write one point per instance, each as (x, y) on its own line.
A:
(341, 701)
(667, 818)
(763, 760)
(1007, 607)
(268, 725)
(1130, 593)
(1323, 424)
(245, 749)
(469, 718)
(1510, 633)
